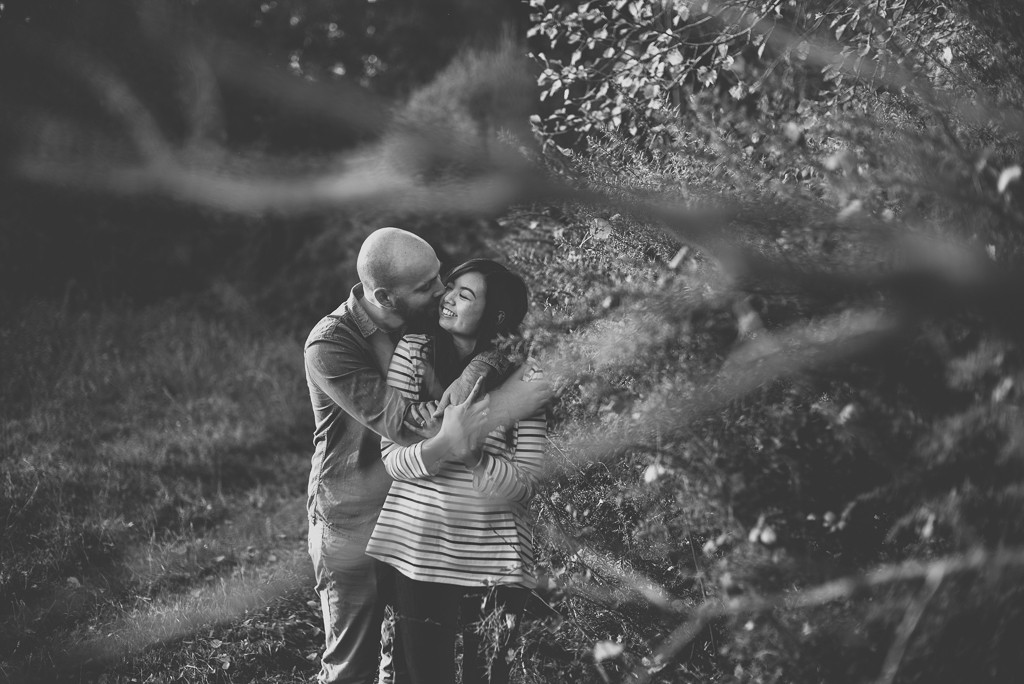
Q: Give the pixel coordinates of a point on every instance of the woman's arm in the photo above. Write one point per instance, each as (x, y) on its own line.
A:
(458, 432)
(405, 462)
(515, 472)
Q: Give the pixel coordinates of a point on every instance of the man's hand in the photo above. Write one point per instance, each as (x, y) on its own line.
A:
(422, 421)
(463, 424)
(457, 392)
(517, 398)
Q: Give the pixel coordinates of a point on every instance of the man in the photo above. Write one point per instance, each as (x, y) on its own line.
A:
(347, 356)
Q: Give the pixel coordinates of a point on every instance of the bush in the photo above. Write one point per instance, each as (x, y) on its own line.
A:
(801, 392)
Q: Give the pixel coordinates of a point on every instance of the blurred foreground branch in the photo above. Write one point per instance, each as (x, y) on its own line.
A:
(765, 359)
(217, 604)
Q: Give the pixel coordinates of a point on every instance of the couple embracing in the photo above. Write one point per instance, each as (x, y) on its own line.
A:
(428, 446)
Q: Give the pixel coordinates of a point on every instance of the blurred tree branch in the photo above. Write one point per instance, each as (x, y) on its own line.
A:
(933, 579)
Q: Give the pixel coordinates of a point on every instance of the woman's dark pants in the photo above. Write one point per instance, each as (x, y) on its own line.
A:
(428, 621)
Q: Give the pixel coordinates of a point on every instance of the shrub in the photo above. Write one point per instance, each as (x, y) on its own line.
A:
(788, 401)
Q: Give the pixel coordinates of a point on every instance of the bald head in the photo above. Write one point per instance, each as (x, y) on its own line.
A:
(388, 254)
(399, 272)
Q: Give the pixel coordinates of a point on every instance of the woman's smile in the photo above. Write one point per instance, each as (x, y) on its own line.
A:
(462, 306)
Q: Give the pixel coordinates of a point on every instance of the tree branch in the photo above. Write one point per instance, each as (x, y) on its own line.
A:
(118, 99)
(910, 619)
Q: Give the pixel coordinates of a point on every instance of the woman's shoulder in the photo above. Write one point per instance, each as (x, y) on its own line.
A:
(410, 351)
(415, 340)
(413, 345)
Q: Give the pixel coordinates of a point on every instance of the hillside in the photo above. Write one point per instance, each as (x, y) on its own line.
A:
(774, 254)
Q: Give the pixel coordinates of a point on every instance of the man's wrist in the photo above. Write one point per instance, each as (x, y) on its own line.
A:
(493, 358)
(499, 416)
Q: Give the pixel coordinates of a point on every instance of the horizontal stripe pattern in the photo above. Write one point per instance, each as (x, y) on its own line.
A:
(462, 526)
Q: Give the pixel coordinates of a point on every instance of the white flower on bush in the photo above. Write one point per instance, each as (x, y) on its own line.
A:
(653, 472)
(762, 532)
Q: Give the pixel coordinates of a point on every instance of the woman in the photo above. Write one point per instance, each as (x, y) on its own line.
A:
(457, 529)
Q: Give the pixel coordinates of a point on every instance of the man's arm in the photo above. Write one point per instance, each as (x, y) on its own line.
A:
(519, 398)
(515, 399)
(513, 473)
(491, 366)
(349, 377)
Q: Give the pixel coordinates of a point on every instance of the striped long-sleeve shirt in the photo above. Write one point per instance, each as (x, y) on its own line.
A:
(459, 525)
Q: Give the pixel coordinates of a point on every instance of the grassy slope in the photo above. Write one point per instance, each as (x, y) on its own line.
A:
(152, 470)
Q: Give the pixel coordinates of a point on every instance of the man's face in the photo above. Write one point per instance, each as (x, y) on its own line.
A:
(417, 294)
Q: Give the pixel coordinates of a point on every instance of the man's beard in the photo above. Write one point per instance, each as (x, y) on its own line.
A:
(418, 320)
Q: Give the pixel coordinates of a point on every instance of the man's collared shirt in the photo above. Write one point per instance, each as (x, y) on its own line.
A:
(353, 407)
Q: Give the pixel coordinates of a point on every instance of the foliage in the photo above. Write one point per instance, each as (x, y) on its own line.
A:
(834, 135)
(822, 474)
(637, 66)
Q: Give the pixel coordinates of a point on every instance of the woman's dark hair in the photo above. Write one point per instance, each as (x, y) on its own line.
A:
(506, 293)
(506, 302)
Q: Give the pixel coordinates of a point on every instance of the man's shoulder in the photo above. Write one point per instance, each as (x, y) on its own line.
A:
(335, 326)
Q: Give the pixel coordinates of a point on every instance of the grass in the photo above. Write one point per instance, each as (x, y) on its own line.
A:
(152, 476)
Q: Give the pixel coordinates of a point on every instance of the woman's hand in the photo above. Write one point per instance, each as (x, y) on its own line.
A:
(462, 427)
(421, 419)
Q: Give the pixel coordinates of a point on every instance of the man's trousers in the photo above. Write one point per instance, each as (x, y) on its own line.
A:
(354, 590)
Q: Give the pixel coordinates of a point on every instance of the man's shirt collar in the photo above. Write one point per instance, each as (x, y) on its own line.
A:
(355, 306)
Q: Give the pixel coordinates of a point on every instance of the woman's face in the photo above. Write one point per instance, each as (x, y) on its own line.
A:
(462, 306)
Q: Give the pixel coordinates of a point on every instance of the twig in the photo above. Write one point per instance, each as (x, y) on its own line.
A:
(12, 515)
(546, 241)
(700, 581)
(120, 101)
(910, 619)
(565, 457)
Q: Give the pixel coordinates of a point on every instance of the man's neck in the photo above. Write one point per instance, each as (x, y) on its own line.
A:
(385, 319)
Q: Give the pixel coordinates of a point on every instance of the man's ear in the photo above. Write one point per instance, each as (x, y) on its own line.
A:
(384, 299)
(501, 317)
